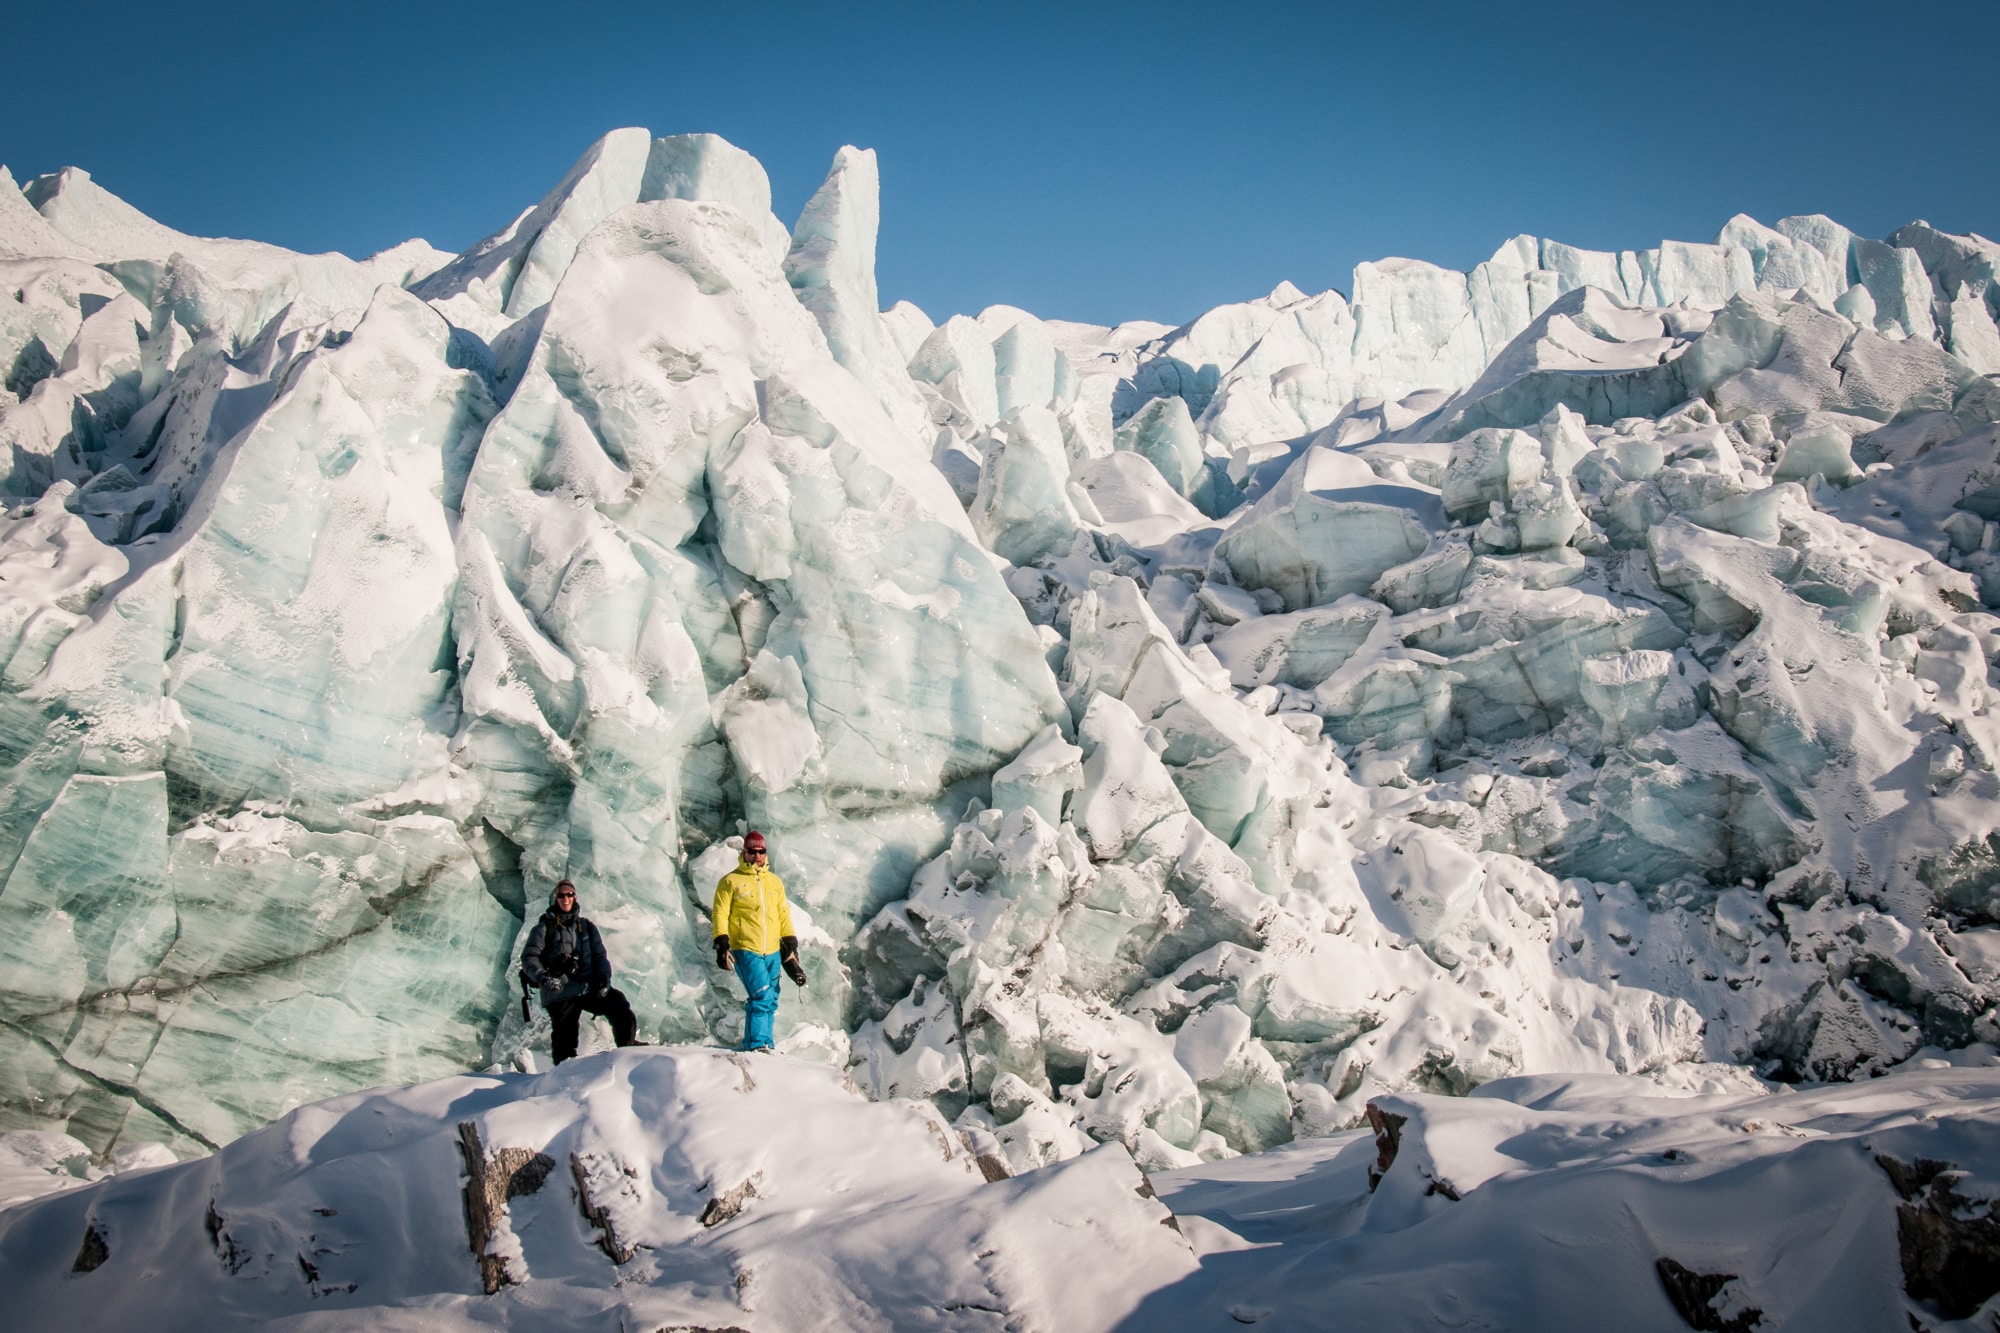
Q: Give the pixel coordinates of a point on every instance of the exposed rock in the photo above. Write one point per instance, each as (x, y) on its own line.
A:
(730, 1202)
(1949, 1243)
(598, 1177)
(1388, 1129)
(491, 1179)
(91, 1255)
(1702, 1299)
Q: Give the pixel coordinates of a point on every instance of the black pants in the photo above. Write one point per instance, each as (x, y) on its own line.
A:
(565, 1014)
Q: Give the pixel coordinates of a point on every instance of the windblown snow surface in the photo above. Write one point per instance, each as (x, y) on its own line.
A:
(1419, 774)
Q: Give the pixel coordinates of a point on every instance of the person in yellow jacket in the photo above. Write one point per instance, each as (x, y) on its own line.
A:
(754, 937)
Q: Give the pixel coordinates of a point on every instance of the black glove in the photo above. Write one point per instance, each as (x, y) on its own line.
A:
(597, 992)
(788, 958)
(722, 952)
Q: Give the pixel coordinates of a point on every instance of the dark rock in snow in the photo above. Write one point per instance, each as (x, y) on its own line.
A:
(1949, 1244)
(1694, 1297)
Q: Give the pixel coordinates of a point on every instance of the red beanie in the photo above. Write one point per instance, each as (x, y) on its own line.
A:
(753, 841)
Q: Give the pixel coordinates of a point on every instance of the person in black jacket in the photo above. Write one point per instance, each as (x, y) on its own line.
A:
(565, 959)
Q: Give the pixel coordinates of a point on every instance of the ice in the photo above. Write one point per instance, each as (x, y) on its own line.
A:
(204, 924)
(1629, 359)
(1279, 369)
(1781, 263)
(1488, 467)
(1226, 605)
(1315, 546)
(1415, 322)
(1545, 516)
(1413, 326)
(1961, 271)
(1301, 648)
(708, 166)
(1974, 338)
(1434, 578)
(513, 273)
(220, 750)
(1105, 885)
(1127, 792)
(1895, 277)
(1041, 777)
(232, 287)
(26, 234)
(1764, 355)
(1024, 508)
(1624, 690)
(832, 266)
(42, 321)
(1025, 366)
(1175, 736)
(356, 526)
(1291, 379)
(1421, 885)
(976, 375)
(774, 451)
(908, 328)
(38, 1162)
(1164, 435)
(515, 270)
(96, 220)
(607, 178)
(1188, 363)
(1134, 501)
(323, 560)
(957, 359)
(1824, 453)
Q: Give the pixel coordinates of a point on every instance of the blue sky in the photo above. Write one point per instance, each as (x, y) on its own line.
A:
(1085, 161)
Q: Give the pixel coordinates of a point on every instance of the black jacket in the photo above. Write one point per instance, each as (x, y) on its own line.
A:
(565, 957)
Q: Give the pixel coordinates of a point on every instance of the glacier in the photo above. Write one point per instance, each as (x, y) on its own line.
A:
(1176, 738)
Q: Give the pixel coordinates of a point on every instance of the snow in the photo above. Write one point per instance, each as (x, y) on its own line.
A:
(695, 1187)
(1552, 1202)
(685, 1187)
(1175, 740)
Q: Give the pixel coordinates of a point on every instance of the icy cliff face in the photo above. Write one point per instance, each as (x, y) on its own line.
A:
(1174, 736)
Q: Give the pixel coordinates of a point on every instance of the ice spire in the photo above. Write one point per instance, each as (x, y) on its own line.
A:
(832, 268)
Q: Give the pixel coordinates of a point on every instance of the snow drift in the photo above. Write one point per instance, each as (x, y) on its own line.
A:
(697, 1188)
(684, 1188)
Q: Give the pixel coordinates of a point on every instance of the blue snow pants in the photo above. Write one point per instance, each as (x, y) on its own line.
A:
(759, 972)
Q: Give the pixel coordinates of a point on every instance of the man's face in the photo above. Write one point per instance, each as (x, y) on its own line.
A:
(755, 857)
(565, 898)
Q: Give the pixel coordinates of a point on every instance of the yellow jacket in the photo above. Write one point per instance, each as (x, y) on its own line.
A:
(750, 908)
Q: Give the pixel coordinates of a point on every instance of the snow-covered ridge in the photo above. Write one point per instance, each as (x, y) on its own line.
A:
(695, 1188)
(686, 1188)
(1594, 1202)
(1176, 737)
